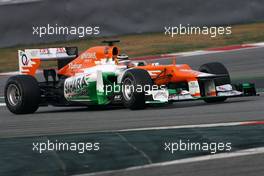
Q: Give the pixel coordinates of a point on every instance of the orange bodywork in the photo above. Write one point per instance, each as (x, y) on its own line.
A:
(88, 59)
(171, 73)
(31, 70)
(161, 74)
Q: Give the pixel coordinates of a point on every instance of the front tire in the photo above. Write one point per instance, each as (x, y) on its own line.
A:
(132, 79)
(22, 94)
(218, 69)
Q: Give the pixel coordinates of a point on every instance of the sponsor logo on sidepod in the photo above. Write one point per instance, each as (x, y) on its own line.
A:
(73, 86)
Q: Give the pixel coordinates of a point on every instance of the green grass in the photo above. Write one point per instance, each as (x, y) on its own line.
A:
(149, 43)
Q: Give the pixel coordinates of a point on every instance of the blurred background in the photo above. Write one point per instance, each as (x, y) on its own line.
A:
(116, 17)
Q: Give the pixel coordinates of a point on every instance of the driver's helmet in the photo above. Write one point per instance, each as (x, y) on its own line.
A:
(122, 57)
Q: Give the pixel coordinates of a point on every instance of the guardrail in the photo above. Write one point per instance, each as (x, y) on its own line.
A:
(116, 17)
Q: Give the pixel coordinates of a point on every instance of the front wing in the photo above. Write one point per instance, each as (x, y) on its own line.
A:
(167, 95)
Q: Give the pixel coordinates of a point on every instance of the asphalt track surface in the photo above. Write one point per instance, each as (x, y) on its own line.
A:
(248, 165)
(242, 64)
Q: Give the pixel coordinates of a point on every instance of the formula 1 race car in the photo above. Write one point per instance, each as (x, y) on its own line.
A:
(101, 75)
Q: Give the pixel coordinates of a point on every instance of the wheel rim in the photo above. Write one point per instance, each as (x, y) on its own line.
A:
(13, 95)
(128, 89)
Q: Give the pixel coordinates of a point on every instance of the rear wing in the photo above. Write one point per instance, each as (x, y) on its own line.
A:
(30, 59)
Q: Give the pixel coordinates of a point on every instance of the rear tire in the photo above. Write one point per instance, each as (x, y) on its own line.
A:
(218, 69)
(131, 98)
(22, 94)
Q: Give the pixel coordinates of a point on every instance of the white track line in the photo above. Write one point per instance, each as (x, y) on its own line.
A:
(11, 2)
(258, 44)
(205, 52)
(246, 152)
(9, 73)
(188, 126)
(14, 73)
(182, 127)
(2, 104)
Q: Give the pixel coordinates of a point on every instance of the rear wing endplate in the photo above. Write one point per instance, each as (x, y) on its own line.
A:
(29, 60)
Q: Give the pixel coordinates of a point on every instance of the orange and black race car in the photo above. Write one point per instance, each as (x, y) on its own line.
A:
(101, 75)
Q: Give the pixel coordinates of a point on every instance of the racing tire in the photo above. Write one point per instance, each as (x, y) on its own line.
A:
(22, 94)
(218, 69)
(131, 98)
